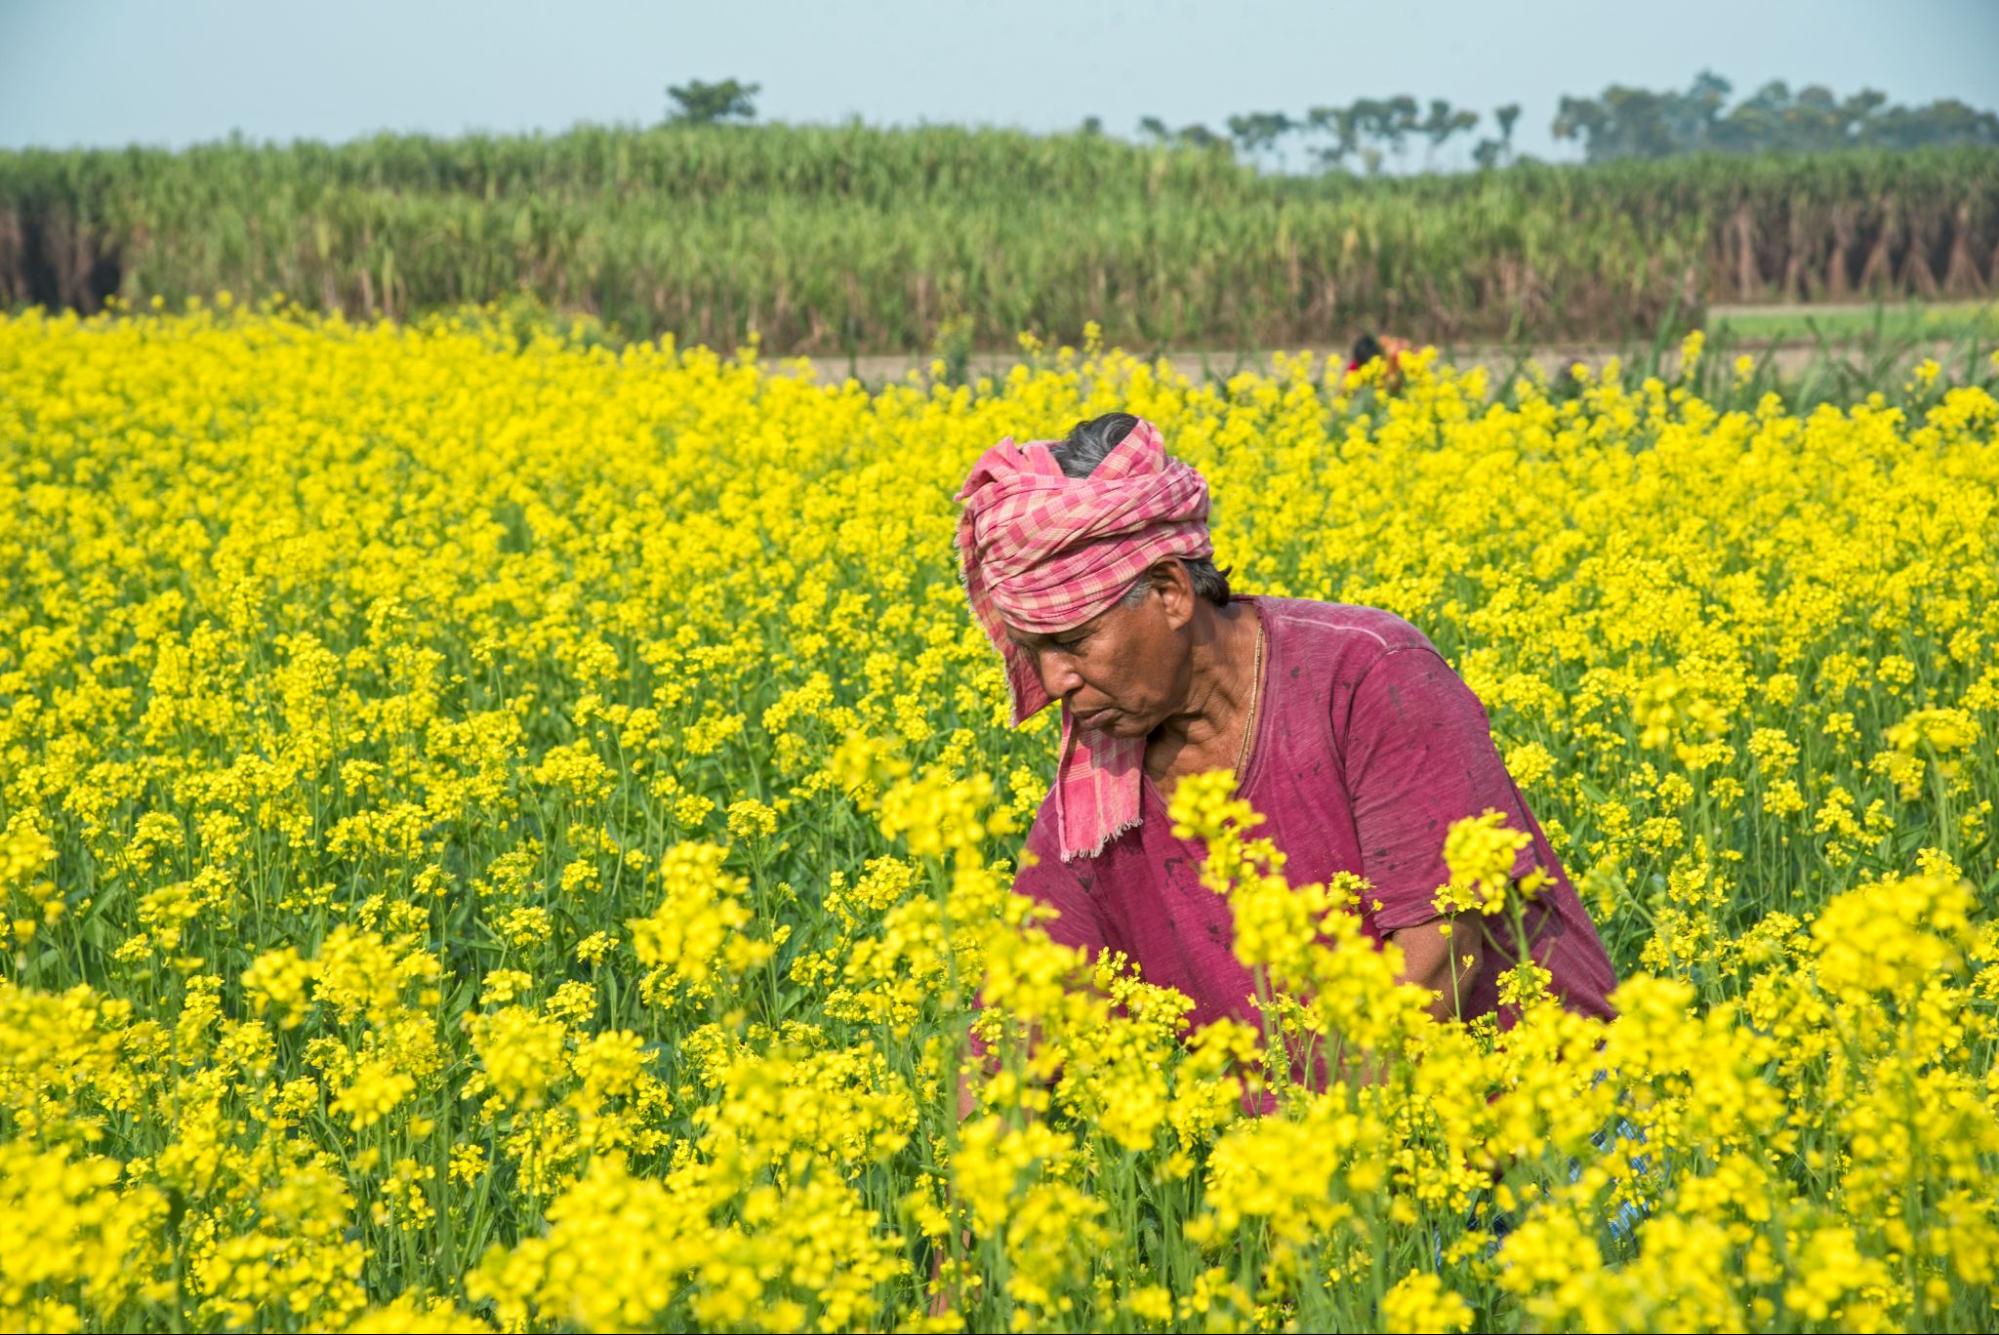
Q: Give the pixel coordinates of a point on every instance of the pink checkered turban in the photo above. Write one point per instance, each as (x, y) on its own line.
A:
(1044, 552)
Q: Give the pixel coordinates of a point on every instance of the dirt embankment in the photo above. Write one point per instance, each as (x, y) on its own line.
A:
(1787, 359)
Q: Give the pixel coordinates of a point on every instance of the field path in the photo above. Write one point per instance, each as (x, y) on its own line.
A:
(1790, 358)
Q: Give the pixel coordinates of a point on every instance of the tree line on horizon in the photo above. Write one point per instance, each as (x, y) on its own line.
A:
(1619, 123)
(851, 238)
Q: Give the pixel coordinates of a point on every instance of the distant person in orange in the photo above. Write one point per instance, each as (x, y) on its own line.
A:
(1387, 349)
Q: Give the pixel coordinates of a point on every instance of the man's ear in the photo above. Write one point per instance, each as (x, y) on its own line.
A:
(1175, 589)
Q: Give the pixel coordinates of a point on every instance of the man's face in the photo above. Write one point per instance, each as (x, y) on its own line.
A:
(1123, 671)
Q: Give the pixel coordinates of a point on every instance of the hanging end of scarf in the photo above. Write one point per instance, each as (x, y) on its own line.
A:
(1071, 852)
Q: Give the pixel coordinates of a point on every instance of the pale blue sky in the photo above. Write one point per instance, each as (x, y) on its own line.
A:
(107, 72)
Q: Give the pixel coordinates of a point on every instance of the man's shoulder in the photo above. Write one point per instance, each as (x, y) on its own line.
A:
(1353, 632)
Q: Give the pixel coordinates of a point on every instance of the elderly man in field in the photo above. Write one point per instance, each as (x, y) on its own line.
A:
(1088, 562)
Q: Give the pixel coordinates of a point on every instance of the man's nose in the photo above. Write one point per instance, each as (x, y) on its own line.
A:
(1058, 676)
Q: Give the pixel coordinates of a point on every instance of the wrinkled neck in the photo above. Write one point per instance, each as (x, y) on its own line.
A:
(1220, 678)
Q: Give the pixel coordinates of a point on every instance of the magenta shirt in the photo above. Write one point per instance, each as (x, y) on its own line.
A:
(1367, 748)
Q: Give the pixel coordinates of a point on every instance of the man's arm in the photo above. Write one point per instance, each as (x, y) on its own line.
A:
(1443, 955)
(1430, 952)
(1419, 756)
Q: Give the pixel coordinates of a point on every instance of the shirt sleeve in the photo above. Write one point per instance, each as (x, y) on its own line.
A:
(1418, 756)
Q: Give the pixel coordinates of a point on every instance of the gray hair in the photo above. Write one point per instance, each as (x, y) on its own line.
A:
(1089, 444)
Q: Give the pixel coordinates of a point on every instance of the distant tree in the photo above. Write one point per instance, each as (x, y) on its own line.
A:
(1622, 122)
(1948, 121)
(1258, 132)
(699, 103)
(1187, 136)
(1370, 129)
(1441, 125)
(1198, 136)
(1093, 125)
(1394, 122)
(1491, 152)
(1626, 122)
(1341, 131)
(1691, 117)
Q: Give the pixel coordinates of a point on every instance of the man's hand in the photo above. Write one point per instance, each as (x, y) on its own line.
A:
(1444, 956)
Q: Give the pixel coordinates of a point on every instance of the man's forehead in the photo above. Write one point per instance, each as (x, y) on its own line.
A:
(1031, 637)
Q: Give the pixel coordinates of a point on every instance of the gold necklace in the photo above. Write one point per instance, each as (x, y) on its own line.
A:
(1255, 700)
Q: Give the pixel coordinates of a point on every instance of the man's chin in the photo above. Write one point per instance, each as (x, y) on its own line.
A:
(1114, 723)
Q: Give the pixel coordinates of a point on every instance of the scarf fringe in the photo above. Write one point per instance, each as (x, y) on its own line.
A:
(1071, 854)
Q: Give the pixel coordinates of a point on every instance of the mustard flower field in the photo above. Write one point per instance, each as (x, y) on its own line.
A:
(503, 832)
